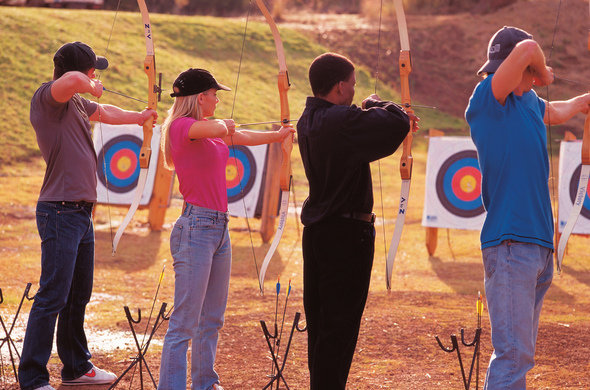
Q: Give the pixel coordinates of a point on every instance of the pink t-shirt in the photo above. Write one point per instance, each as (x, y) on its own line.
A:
(200, 166)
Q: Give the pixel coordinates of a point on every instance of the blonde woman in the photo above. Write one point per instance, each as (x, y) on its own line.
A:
(198, 149)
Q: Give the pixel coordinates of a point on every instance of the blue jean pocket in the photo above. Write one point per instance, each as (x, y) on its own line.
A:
(176, 238)
(490, 260)
(42, 219)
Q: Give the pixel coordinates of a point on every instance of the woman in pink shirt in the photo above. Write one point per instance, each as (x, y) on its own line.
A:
(198, 149)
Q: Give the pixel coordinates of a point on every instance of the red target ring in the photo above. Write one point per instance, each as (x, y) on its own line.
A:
(123, 163)
(234, 171)
(466, 183)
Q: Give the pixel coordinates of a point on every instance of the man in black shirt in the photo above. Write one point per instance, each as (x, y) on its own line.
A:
(337, 141)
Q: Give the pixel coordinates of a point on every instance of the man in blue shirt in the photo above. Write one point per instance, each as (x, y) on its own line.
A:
(507, 121)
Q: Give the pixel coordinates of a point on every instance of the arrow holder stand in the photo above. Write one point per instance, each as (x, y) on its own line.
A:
(279, 367)
(7, 339)
(142, 348)
(455, 347)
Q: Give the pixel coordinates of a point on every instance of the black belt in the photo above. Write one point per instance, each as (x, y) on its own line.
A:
(80, 203)
(365, 217)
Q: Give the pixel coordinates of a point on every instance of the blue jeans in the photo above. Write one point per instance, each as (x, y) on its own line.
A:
(201, 249)
(65, 286)
(517, 276)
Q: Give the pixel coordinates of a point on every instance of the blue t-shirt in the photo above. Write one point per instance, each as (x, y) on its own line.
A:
(512, 149)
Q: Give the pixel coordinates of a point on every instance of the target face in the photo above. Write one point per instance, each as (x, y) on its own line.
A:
(573, 191)
(458, 184)
(240, 172)
(118, 163)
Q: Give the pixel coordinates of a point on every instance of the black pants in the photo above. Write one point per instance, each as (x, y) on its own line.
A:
(337, 257)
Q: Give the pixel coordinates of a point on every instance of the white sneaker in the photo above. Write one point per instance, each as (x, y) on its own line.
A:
(95, 376)
(216, 386)
(46, 387)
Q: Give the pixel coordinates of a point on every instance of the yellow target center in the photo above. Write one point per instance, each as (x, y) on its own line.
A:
(124, 164)
(468, 184)
(231, 171)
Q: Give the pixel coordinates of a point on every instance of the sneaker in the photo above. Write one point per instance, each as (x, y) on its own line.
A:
(46, 387)
(217, 387)
(95, 376)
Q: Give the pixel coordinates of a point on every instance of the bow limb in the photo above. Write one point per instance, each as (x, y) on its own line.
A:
(287, 146)
(145, 153)
(405, 68)
(582, 186)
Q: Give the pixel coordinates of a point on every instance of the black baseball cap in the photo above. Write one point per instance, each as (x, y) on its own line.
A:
(194, 81)
(501, 46)
(78, 56)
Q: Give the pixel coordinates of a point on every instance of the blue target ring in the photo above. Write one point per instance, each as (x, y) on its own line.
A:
(118, 163)
(458, 185)
(574, 191)
(240, 172)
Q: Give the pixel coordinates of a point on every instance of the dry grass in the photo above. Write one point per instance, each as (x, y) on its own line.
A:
(396, 348)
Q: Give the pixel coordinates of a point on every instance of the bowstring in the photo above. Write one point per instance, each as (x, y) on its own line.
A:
(104, 161)
(550, 137)
(233, 146)
(379, 161)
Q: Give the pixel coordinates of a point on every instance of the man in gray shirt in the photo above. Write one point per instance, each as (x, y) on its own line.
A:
(61, 119)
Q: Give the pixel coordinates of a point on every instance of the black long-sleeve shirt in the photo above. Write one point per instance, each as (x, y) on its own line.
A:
(337, 143)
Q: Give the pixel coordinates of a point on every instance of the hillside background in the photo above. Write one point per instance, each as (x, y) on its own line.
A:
(447, 49)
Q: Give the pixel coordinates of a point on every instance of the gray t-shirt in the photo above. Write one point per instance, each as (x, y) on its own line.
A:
(65, 139)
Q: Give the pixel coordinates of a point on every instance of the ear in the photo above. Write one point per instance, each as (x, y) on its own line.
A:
(338, 87)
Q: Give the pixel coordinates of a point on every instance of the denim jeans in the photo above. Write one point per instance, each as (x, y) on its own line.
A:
(517, 276)
(65, 286)
(201, 250)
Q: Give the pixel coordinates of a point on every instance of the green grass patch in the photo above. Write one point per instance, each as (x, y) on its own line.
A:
(30, 37)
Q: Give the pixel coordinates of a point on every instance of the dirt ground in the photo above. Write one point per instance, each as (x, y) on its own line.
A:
(431, 295)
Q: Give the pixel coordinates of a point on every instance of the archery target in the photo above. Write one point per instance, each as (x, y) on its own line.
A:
(458, 184)
(118, 163)
(240, 172)
(570, 166)
(243, 174)
(453, 185)
(117, 170)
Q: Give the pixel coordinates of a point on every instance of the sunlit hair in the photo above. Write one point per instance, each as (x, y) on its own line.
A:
(184, 106)
(327, 70)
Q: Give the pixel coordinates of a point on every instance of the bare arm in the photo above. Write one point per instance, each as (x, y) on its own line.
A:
(253, 137)
(74, 82)
(526, 56)
(114, 115)
(213, 128)
(557, 112)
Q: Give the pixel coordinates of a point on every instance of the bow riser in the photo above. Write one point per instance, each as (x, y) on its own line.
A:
(405, 68)
(287, 146)
(149, 67)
